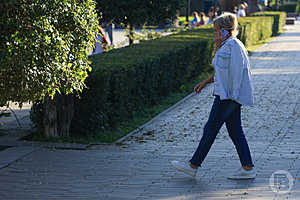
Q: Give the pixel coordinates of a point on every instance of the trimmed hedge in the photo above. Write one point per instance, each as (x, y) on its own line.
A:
(279, 20)
(290, 7)
(254, 29)
(126, 80)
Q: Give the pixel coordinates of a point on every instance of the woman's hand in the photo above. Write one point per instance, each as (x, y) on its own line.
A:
(200, 86)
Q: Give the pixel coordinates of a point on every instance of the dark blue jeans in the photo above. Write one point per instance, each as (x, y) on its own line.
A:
(227, 111)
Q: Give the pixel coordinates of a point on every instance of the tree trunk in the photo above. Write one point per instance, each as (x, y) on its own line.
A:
(187, 12)
(50, 118)
(65, 112)
(252, 6)
(58, 114)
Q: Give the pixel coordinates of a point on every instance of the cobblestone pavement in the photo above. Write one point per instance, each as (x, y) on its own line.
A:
(140, 168)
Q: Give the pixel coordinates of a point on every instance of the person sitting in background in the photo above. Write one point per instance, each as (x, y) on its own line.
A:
(202, 19)
(241, 11)
(196, 19)
(218, 11)
(211, 15)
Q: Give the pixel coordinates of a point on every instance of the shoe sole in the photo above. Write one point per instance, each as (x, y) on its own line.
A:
(240, 178)
(182, 170)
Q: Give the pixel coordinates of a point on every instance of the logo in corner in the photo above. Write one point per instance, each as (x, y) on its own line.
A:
(281, 182)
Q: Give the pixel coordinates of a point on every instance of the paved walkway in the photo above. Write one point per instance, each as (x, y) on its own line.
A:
(140, 168)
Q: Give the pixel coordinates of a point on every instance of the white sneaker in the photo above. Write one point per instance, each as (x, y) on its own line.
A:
(241, 174)
(184, 167)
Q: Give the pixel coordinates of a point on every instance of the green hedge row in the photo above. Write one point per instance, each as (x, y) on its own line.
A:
(290, 7)
(254, 29)
(279, 20)
(126, 80)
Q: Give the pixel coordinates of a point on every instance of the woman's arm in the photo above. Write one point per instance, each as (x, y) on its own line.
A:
(202, 85)
(236, 69)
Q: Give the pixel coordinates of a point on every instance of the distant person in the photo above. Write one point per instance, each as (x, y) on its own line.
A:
(196, 19)
(242, 11)
(235, 10)
(109, 29)
(268, 7)
(176, 21)
(202, 19)
(246, 6)
(211, 15)
(217, 11)
(101, 43)
(232, 89)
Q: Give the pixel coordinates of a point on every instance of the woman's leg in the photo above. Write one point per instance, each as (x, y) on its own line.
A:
(220, 111)
(235, 130)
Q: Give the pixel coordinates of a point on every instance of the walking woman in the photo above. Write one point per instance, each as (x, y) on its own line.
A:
(232, 89)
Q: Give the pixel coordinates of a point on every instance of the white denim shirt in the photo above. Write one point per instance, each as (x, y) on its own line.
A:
(232, 79)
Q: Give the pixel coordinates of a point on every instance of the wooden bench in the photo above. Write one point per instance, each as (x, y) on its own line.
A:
(290, 20)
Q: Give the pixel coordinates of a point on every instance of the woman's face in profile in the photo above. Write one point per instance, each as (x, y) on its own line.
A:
(217, 31)
(216, 28)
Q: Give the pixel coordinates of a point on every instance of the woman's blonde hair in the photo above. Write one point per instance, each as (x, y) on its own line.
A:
(227, 21)
(195, 14)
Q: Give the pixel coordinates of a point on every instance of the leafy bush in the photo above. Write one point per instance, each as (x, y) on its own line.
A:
(279, 20)
(43, 47)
